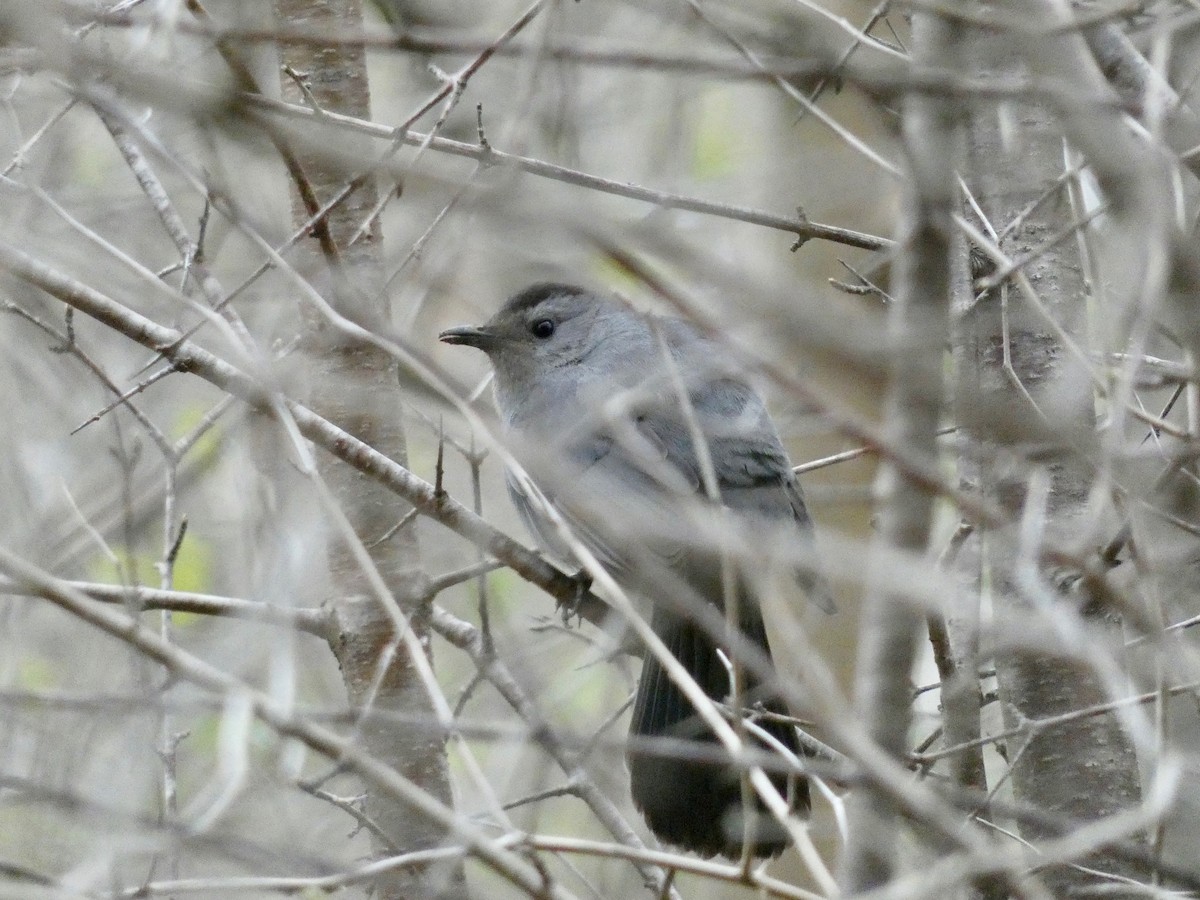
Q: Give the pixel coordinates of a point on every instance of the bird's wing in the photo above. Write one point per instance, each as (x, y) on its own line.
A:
(627, 487)
(566, 477)
(755, 478)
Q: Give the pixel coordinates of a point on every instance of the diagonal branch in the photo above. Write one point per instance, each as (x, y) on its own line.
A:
(800, 227)
(278, 717)
(190, 358)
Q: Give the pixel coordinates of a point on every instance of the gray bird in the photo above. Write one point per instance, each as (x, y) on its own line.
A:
(600, 405)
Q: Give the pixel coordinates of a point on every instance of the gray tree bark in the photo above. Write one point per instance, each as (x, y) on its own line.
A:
(918, 332)
(1019, 392)
(356, 386)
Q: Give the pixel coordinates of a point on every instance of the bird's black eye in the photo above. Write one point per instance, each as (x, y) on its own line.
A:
(542, 328)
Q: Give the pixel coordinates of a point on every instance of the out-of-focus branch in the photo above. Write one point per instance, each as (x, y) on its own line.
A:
(278, 716)
(319, 622)
(887, 73)
(470, 640)
(310, 621)
(720, 872)
(1145, 90)
(1033, 726)
(190, 358)
(1018, 358)
(809, 106)
(1131, 172)
(434, 40)
(954, 634)
(797, 225)
(919, 322)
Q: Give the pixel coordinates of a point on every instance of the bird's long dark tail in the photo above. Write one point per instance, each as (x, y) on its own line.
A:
(696, 803)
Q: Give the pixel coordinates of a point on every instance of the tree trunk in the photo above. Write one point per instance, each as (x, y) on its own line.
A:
(918, 329)
(356, 386)
(1022, 398)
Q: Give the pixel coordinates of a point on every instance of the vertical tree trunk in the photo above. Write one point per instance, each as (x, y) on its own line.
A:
(918, 332)
(1086, 769)
(355, 386)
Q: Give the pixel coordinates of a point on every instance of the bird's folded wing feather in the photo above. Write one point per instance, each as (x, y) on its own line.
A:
(625, 490)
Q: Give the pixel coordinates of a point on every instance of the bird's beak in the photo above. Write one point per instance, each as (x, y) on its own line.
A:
(471, 336)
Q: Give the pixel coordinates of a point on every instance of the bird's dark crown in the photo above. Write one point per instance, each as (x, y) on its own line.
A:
(536, 293)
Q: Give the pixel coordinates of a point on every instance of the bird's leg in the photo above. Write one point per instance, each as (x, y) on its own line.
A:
(569, 608)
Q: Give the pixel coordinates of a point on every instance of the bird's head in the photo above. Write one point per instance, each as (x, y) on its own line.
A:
(549, 335)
